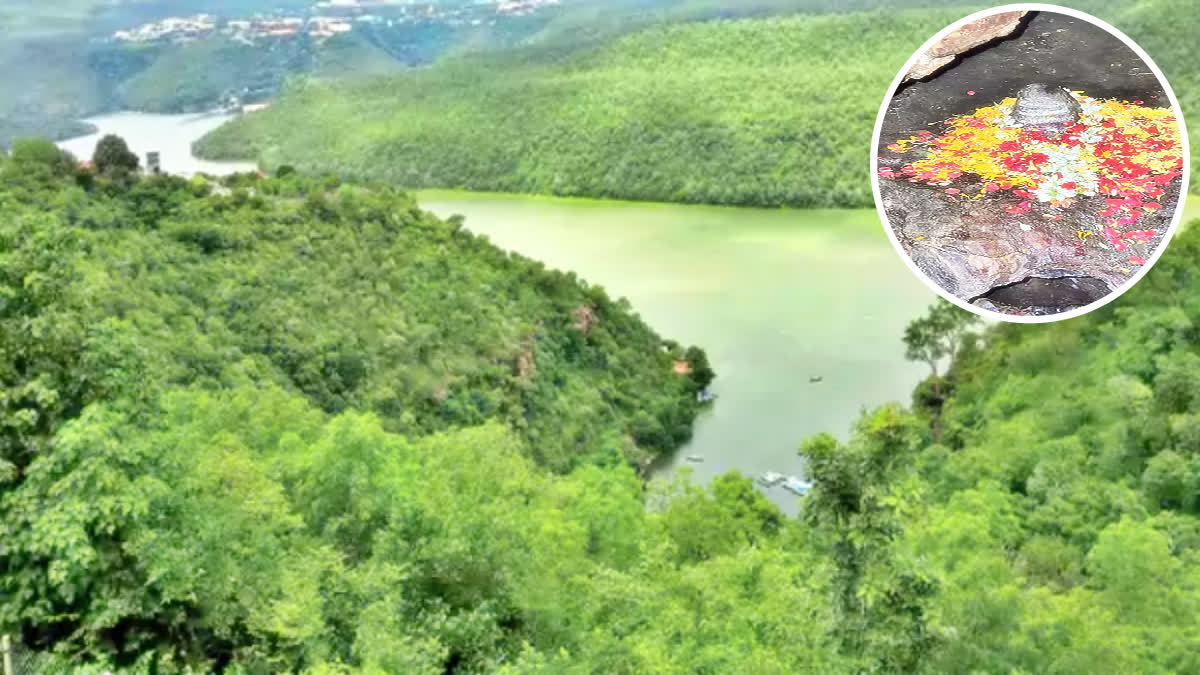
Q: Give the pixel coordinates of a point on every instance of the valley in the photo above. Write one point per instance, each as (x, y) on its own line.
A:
(468, 365)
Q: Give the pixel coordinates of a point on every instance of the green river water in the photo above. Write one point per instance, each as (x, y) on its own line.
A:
(773, 296)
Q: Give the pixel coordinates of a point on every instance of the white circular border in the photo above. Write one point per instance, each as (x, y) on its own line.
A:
(1183, 188)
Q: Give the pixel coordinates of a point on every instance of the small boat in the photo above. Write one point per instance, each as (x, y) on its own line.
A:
(815, 379)
(800, 487)
(695, 459)
(770, 479)
(705, 396)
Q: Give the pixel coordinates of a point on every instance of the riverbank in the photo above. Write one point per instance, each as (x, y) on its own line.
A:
(171, 135)
(775, 296)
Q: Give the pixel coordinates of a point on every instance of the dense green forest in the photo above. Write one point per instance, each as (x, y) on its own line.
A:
(287, 424)
(294, 423)
(717, 112)
(759, 111)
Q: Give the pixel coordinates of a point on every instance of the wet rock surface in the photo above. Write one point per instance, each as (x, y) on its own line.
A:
(974, 248)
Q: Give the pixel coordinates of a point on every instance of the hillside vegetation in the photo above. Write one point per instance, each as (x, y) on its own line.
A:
(764, 112)
(353, 297)
(58, 65)
(287, 425)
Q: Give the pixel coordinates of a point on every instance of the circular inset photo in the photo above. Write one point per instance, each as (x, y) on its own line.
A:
(1030, 163)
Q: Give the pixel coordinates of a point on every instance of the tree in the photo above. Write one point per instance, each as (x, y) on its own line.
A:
(113, 157)
(38, 161)
(702, 373)
(880, 599)
(1168, 480)
(936, 336)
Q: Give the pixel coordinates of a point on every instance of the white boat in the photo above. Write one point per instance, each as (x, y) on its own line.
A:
(800, 487)
(770, 479)
(694, 458)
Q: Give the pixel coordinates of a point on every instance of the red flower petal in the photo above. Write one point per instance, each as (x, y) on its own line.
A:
(971, 93)
(1136, 260)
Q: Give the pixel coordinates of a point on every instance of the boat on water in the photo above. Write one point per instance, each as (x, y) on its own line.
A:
(705, 396)
(695, 459)
(816, 378)
(800, 487)
(770, 479)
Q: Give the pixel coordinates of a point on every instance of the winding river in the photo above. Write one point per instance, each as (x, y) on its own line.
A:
(775, 296)
(169, 135)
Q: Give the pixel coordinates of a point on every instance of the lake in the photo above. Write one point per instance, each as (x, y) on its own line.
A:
(773, 296)
(170, 135)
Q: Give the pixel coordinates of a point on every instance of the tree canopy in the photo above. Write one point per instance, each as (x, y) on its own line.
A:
(762, 111)
(293, 425)
(113, 156)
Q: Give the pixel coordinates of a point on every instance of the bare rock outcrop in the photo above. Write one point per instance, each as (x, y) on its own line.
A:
(974, 248)
(965, 38)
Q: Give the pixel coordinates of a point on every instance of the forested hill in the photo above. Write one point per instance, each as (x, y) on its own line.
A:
(763, 111)
(286, 425)
(351, 296)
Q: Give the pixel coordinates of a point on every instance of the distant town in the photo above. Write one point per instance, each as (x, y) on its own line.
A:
(324, 20)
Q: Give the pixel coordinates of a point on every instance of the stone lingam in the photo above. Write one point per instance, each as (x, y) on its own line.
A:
(1048, 108)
